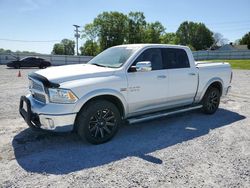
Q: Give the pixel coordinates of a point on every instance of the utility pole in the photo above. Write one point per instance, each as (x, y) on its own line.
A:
(77, 35)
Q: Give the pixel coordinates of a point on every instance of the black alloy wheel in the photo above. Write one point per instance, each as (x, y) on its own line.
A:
(17, 66)
(102, 123)
(211, 100)
(98, 121)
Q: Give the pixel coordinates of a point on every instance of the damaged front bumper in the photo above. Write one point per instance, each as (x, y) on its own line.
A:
(32, 112)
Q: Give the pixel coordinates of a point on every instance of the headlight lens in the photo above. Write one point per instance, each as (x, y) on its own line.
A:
(61, 96)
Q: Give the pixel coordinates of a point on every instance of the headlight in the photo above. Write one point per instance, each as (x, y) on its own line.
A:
(61, 96)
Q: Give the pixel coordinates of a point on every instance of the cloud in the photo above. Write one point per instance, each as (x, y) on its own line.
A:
(29, 5)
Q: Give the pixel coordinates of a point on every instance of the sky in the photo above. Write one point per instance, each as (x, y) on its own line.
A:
(35, 25)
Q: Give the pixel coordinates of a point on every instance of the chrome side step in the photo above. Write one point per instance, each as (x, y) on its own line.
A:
(160, 114)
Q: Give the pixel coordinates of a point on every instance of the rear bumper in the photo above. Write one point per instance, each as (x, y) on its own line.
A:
(51, 122)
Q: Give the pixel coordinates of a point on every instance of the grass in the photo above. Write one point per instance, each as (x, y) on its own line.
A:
(236, 64)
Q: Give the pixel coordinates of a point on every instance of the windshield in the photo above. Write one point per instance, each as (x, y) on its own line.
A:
(25, 58)
(113, 57)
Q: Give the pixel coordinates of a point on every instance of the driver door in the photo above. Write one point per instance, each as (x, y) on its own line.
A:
(147, 91)
(26, 62)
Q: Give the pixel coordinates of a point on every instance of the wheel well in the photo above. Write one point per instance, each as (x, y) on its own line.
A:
(217, 85)
(116, 101)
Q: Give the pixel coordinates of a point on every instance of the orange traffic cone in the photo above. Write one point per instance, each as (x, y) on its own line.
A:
(19, 74)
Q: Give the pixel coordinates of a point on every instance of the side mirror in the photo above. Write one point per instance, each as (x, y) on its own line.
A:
(143, 66)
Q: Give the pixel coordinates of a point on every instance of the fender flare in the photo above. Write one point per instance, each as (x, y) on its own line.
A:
(84, 99)
(211, 81)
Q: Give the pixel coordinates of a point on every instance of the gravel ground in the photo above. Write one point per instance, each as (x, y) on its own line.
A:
(188, 150)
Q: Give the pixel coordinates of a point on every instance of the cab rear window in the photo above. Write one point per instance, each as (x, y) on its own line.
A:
(175, 58)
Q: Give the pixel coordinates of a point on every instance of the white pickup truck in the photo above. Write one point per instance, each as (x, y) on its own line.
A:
(134, 82)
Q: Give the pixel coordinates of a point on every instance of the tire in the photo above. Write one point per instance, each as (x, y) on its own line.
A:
(17, 66)
(211, 100)
(98, 122)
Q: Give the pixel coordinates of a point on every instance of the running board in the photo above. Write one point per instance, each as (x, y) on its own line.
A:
(161, 114)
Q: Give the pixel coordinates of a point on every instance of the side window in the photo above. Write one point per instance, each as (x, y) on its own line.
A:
(27, 59)
(40, 60)
(32, 59)
(183, 59)
(175, 58)
(153, 55)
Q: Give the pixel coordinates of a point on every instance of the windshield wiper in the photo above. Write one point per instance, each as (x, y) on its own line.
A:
(98, 65)
(102, 65)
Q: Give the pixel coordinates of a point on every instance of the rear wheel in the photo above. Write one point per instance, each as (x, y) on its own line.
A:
(98, 122)
(17, 66)
(211, 100)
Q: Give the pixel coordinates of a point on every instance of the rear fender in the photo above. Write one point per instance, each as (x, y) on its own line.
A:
(199, 97)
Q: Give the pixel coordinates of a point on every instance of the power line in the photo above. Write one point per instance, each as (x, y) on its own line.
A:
(17, 40)
(223, 26)
(235, 28)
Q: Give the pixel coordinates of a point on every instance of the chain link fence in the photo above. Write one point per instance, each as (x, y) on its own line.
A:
(217, 54)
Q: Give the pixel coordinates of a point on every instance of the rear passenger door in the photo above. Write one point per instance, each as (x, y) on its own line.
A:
(31, 62)
(26, 62)
(182, 78)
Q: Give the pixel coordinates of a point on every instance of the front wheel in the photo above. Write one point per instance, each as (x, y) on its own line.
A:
(211, 100)
(98, 122)
(17, 66)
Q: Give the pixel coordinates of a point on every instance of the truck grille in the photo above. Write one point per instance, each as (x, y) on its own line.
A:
(39, 97)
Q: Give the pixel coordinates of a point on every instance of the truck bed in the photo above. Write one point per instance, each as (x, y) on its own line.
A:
(207, 70)
(208, 64)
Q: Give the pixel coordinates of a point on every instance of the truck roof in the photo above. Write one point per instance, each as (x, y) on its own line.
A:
(153, 45)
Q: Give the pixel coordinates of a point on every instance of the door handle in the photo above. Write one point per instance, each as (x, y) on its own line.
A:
(161, 76)
(192, 74)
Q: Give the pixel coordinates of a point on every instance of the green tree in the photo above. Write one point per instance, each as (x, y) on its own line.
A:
(90, 48)
(69, 46)
(195, 34)
(58, 49)
(90, 32)
(136, 27)
(65, 47)
(153, 32)
(170, 38)
(5, 51)
(111, 28)
(246, 40)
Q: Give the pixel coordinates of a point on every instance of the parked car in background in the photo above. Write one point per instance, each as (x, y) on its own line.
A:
(29, 62)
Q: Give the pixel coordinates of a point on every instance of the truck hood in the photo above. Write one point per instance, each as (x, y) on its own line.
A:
(66, 73)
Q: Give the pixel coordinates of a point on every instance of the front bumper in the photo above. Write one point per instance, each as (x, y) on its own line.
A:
(52, 122)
